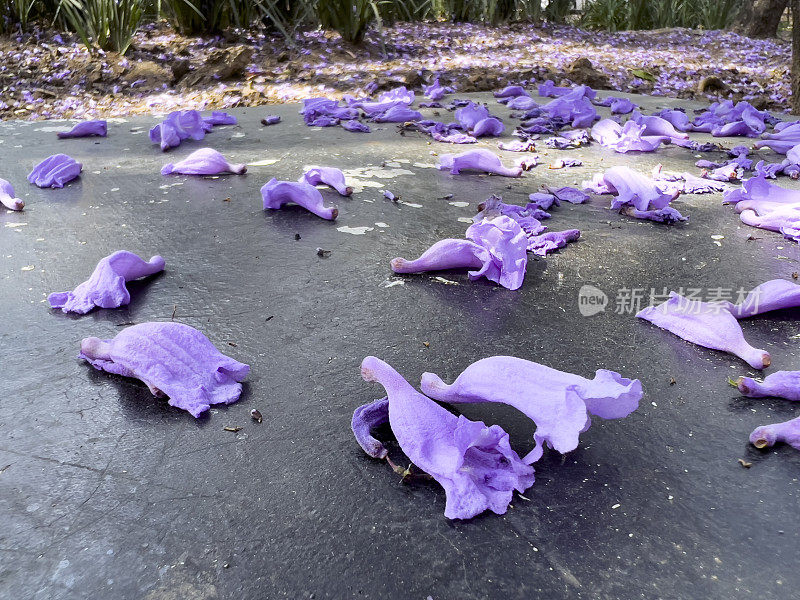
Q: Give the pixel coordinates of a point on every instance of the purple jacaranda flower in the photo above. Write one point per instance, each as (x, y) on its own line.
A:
(398, 94)
(277, 193)
(782, 140)
(272, 120)
(549, 89)
(329, 176)
(707, 164)
(758, 192)
(574, 107)
(656, 126)
(705, 324)
(526, 216)
(685, 183)
(219, 117)
(173, 360)
(477, 160)
(568, 194)
(780, 384)
(677, 118)
(526, 163)
(430, 105)
(619, 106)
(729, 172)
(771, 295)
(768, 170)
(560, 143)
(491, 126)
(355, 125)
(435, 91)
(548, 242)
(367, 417)
(559, 403)
(666, 215)
(453, 137)
(85, 129)
(324, 112)
(178, 126)
(521, 103)
(769, 435)
(512, 91)
(784, 220)
(323, 121)
(205, 161)
(8, 196)
(476, 120)
(55, 171)
(561, 163)
(473, 463)
(398, 114)
(628, 138)
(495, 249)
(543, 200)
(517, 146)
(630, 187)
(106, 287)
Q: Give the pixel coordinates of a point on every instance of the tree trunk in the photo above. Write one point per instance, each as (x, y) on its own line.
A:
(795, 99)
(760, 18)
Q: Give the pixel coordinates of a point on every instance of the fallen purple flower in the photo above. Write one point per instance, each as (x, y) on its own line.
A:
(205, 161)
(219, 117)
(559, 403)
(355, 125)
(782, 140)
(630, 187)
(780, 384)
(8, 196)
(771, 295)
(436, 91)
(277, 193)
(561, 163)
(473, 463)
(705, 324)
(512, 91)
(106, 287)
(729, 172)
(398, 114)
(521, 103)
(329, 176)
(629, 138)
(769, 435)
(543, 201)
(568, 194)
(55, 171)
(666, 215)
(367, 417)
(85, 129)
(526, 216)
(173, 360)
(517, 146)
(477, 160)
(178, 126)
(272, 120)
(545, 243)
(477, 121)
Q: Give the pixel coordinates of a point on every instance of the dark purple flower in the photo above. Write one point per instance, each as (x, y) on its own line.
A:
(8, 196)
(173, 360)
(106, 287)
(272, 120)
(477, 160)
(780, 384)
(367, 417)
(329, 176)
(769, 435)
(55, 171)
(85, 129)
(473, 463)
(205, 161)
(705, 324)
(277, 193)
(559, 403)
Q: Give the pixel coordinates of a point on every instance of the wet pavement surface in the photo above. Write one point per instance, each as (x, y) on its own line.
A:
(108, 492)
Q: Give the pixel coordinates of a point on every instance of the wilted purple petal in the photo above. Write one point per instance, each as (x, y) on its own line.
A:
(205, 161)
(517, 146)
(177, 126)
(8, 196)
(329, 176)
(543, 201)
(522, 103)
(512, 91)
(568, 194)
(677, 118)
(543, 244)
(85, 129)
(622, 106)
(491, 126)
(559, 403)
(780, 384)
(771, 295)
(667, 214)
(782, 140)
(706, 324)
(527, 216)
(631, 187)
(367, 417)
(219, 117)
(277, 193)
(626, 139)
(55, 171)
(106, 287)
(398, 114)
(173, 360)
(769, 435)
(473, 463)
(354, 125)
(436, 91)
(477, 160)
(729, 172)
(561, 163)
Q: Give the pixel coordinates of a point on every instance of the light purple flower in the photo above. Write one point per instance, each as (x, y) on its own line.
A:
(355, 125)
(626, 139)
(512, 91)
(55, 171)
(106, 287)
(398, 94)
(729, 172)
(782, 140)
(522, 103)
(771, 295)
(780, 384)
(656, 126)
(219, 117)
(398, 114)
(473, 463)
(769, 435)
(435, 91)
(477, 120)
(667, 214)
(495, 249)
(574, 107)
(178, 126)
(329, 176)
(205, 161)
(543, 201)
(630, 187)
(526, 216)
(517, 146)
(173, 360)
(477, 160)
(543, 244)
(568, 194)
(273, 120)
(8, 196)
(85, 129)
(277, 193)
(705, 324)
(559, 403)
(677, 118)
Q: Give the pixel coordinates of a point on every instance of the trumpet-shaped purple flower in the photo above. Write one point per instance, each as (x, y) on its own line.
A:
(526, 216)
(205, 161)
(178, 126)
(473, 463)
(656, 126)
(512, 91)
(630, 187)
(574, 107)
(398, 114)
(8, 196)
(85, 129)
(521, 103)
(55, 171)
(477, 160)
(780, 384)
(329, 176)
(276, 193)
(517, 146)
(543, 200)
(729, 172)
(355, 125)
(367, 417)
(398, 94)
(629, 138)
(769, 435)
(477, 120)
(435, 91)
(106, 287)
(677, 118)
(272, 120)
(782, 140)
(667, 214)
(771, 295)
(495, 249)
(705, 324)
(543, 244)
(219, 117)
(173, 360)
(559, 403)
(568, 194)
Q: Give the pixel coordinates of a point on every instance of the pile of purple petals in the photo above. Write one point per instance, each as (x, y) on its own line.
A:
(767, 206)
(636, 195)
(180, 125)
(475, 463)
